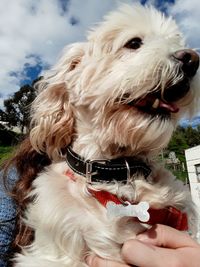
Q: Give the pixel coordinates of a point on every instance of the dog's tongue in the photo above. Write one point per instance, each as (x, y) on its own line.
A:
(168, 106)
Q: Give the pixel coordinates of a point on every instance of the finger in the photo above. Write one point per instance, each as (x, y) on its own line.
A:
(137, 253)
(165, 236)
(95, 261)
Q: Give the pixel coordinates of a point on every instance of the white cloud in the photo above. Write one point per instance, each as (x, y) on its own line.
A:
(41, 28)
(187, 13)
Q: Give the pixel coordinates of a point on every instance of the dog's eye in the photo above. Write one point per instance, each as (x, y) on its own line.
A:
(134, 43)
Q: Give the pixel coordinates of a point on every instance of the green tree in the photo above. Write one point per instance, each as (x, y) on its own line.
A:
(182, 139)
(192, 136)
(178, 143)
(16, 107)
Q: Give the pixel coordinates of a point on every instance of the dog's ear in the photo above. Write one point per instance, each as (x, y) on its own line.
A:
(52, 120)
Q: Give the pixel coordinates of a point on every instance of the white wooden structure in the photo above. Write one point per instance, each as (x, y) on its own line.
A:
(193, 167)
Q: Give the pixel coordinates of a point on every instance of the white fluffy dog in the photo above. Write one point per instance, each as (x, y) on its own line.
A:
(109, 106)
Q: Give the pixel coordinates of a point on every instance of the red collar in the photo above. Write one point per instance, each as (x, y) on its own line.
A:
(168, 216)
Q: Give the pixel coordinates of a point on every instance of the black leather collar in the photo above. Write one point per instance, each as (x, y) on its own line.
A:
(107, 171)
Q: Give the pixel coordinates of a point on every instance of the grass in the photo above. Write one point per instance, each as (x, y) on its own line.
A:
(5, 152)
(181, 175)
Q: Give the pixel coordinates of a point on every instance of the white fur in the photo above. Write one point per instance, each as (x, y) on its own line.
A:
(80, 102)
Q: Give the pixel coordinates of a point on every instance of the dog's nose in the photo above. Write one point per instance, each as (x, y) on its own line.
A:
(189, 60)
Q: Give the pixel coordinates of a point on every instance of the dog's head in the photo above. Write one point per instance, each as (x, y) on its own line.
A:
(121, 92)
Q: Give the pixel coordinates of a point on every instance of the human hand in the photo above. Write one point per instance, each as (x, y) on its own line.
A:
(161, 246)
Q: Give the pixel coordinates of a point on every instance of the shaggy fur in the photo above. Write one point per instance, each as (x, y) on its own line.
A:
(84, 101)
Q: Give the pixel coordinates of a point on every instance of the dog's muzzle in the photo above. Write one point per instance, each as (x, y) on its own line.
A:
(188, 61)
(164, 102)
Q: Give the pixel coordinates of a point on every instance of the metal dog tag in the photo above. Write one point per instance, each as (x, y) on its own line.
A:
(139, 210)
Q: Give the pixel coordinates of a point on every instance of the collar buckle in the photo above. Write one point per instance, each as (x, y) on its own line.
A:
(89, 173)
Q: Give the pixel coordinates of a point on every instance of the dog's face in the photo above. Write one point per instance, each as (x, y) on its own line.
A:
(126, 86)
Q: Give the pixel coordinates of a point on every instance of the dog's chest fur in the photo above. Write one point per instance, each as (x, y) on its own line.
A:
(69, 223)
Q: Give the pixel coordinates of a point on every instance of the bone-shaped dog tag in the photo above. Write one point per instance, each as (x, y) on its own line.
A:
(139, 210)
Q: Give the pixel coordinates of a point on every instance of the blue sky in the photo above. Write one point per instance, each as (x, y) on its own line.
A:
(33, 33)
